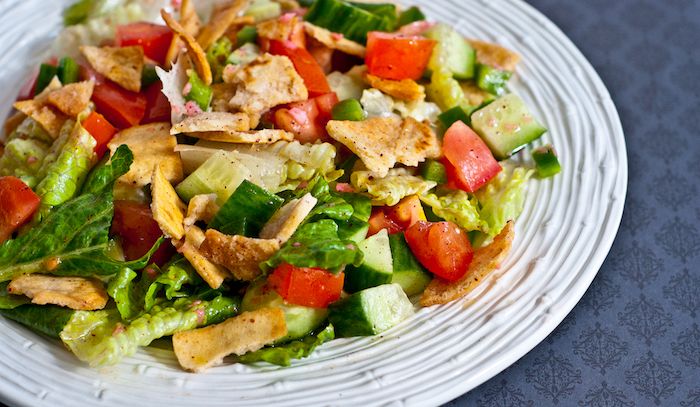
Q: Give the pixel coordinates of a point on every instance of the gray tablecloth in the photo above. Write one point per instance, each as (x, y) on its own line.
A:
(634, 338)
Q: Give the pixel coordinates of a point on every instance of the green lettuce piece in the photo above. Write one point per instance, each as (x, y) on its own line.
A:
(458, 207)
(78, 12)
(317, 245)
(64, 176)
(335, 205)
(100, 338)
(31, 129)
(503, 198)
(107, 172)
(22, 158)
(10, 301)
(217, 56)
(282, 355)
(398, 184)
(246, 211)
(46, 319)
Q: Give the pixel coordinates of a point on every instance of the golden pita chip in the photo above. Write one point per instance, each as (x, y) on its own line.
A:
(76, 293)
(220, 21)
(277, 29)
(210, 272)
(474, 95)
(123, 65)
(202, 348)
(50, 118)
(405, 89)
(13, 122)
(265, 136)
(189, 19)
(72, 98)
(486, 260)
(238, 254)
(194, 50)
(168, 210)
(334, 40)
(213, 121)
(288, 218)
(222, 93)
(201, 208)
(495, 55)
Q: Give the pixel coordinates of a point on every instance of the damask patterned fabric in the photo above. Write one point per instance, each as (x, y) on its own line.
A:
(634, 339)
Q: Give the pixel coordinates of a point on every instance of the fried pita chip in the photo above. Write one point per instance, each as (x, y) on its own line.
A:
(213, 121)
(73, 98)
(381, 142)
(240, 255)
(210, 272)
(194, 50)
(76, 293)
(190, 22)
(405, 89)
(13, 122)
(486, 260)
(221, 94)
(287, 219)
(474, 95)
(220, 22)
(280, 29)
(151, 145)
(334, 40)
(202, 348)
(265, 136)
(168, 210)
(495, 55)
(50, 118)
(201, 208)
(122, 65)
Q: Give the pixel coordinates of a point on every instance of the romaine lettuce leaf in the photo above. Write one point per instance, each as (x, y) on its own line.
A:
(22, 158)
(10, 301)
(458, 207)
(335, 205)
(46, 319)
(398, 184)
(108, 171)
(502, 199)
(282, 355)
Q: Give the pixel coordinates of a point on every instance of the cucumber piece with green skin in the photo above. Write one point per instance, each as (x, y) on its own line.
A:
(246, 34)
(300, 320)
(46, 73)
(353, 230)
(348, 109)
(506, 125)
(546, 161)
(492, 80)
(371, 311)
(452, 52)
(377, 267)
(410, 15)
(386, 11)
(408, 273)
(457, 113)
(68, 71)
(148, 76)
(220, 174)
(246, 211)
(344, 18)
(432, 170)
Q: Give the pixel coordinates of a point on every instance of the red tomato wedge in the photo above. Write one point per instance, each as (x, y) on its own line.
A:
(407, 212)
(305, 65)
(306, 119)
(472, 164)
(396, 56)
(121, 107)
(379, 220)
(310, 287)
(157, 105)
(17, 205)
(442, 247)
(101, 130)
(153, 38)
(133, 222)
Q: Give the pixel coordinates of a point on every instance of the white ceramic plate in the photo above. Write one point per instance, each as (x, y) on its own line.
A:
(563, 236)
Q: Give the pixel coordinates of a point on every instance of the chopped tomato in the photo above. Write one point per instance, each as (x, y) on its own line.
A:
(133, 222)
(121, 107)
(344, 187)
(323, 55)
(101, 130)
(379, 220)
(310, 287)
(305, 65)
(17, 205)
(472, 163)
(443, 248)
(325, 104)
(27, 90)
(157, 105)
(396, 56)
(306, 119)
(407, 212)
(153, 38)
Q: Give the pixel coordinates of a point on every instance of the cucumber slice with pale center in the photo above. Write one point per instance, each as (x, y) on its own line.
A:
(377, 266)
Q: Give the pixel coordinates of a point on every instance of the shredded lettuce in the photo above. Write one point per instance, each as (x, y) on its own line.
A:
(458, 207)
(46, 319)
(398, 183)
(503, 198)
(174, 82)
(10, 301)
(377, 104)
(282, 355)
(217, 55)
(22, 158)
(345, 86)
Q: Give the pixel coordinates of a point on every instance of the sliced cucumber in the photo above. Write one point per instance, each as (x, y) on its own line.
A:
(452, 52)
(492, 80)
(457, 113)
(506, 125)
(247, 34)
(246, 211)
(220, 174)
(68, 70)
(46, 74)
(344, 18)
(546, 161)
(410, 15)
(432, 170)
(376, 268)
(408, 273)
(300, 320)
(371, 311)
(353, 230)
(444, 90)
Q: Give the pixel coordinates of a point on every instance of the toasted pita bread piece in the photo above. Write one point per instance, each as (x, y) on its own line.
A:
(474, 95)
(221, 94)
(190, 248)
(190, 22)
(280, 29)
(265, 136)
(73, 98)
(122, 65)
(213, 121)
(486, 260)
(201, 208)
(194, 50)
(220, 21)
(495, 55)
(48, 117)
(381, 142)
(168, 210)
(405, 89)
(202, 348)
(240, 255)
(288, 218)
(151, 145)
(334, 40)
(76, 293)
(13, 122)
(266, 82)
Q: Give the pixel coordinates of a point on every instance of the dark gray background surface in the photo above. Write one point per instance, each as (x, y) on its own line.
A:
(634, 339)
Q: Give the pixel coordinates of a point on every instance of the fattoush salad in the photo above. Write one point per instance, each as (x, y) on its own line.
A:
(253, 178)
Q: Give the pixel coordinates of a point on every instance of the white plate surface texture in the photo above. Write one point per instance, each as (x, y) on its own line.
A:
(563, 236)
